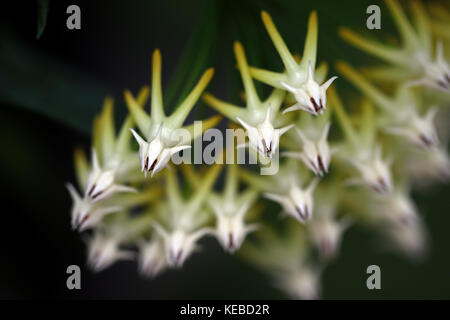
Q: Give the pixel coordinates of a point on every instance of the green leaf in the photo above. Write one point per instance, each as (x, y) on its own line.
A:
(42, 13)
(34, 80)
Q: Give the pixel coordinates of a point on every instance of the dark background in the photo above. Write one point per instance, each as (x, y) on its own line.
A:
(51, 88)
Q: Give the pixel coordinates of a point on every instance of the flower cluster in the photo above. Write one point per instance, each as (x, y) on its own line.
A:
(342, 164)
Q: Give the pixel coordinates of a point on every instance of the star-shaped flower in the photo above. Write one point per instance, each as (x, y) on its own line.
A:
(184, 222)
(412, 61)
(259, 119)
(164, 135)
(298, 78)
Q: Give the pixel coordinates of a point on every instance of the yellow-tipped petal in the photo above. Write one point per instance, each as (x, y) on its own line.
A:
(310, 49)
(227, 109)
(342, 116)
(231, 182)
(379, 50)
(252, 97)
(108, 130)
(365, 86)
(123, 138)
(288, 60)
(157, 111)
(141, 118)
(97, 136)
(143, 95)
(387, 73)
(190, 175)
(81, 167)
(174, 196)
(367, 126)
(275, 100)
(422, 23)
(177, 118)
(206, 124)
(405, 28)
(207, 183)
(271, 78)
(256, 181)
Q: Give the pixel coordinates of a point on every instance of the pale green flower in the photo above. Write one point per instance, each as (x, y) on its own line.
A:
(162, 137)
(399, 115)
(299, 78)
(184, 222)
(413, 60)
(259, 119)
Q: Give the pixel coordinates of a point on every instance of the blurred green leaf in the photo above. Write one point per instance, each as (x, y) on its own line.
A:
(34, 80)
(42, 13)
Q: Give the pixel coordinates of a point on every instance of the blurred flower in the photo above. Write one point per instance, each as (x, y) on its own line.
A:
(409, 239)
(152, 259)
(399, 113)
(104, 250)
(360, 149)
(297, 202)
(184, 220)
(285, 258)
(86, 214)
(100, 183)
(413, 60)
(180, 244)
(302, 283)
(316, 153)
(325, 230)
(230, 210)
(374, 172)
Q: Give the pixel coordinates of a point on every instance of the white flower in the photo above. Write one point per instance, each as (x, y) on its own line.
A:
(396, 208)
(410, 239)
(420, 131)
(103, 251)
(298, 202)
(374, 171)
(303, 283)
(427, 166)
(152, 259)
(159, 129)
(326, 233)
(153, 154)
(298, 78)
(231, 229)
(180, 244)
(436, 73)
(85, 213)
(316, 154)
(264, 138)
(310, 96)
(101, 183)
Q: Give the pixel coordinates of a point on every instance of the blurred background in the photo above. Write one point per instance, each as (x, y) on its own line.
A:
(51, 88)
